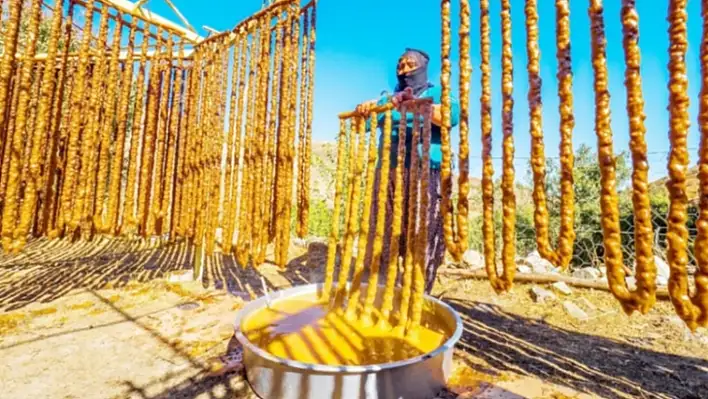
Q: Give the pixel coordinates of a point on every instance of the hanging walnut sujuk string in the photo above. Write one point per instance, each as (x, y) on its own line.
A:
(693, 309)
(39, 133)
(262, 193)
(303, 161)
(148, 150)
(245, 230)
(562, 255)
(122, 121)
(504, 282)
(130, 222)
(643, 298)
(82, 212)
(455, 234)
(170, 198)
(278, 61)
(112, 98)
(238, 102)
(10, 211)
(155, 216)
(10, 35)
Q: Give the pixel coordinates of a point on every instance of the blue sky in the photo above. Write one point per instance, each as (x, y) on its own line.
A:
(359, 42)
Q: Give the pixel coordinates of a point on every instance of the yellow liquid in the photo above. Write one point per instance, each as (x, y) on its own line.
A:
(301, 328)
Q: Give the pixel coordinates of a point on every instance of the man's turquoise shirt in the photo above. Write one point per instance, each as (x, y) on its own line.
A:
(435, 93)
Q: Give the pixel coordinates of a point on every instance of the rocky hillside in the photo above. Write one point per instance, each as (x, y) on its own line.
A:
(693, 185)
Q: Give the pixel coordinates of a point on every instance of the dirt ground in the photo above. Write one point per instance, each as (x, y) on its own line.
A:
(108, 320)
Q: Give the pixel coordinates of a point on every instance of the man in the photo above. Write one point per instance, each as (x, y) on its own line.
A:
(412, 74)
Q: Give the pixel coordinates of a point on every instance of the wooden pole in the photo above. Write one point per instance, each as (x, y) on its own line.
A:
(661, 293)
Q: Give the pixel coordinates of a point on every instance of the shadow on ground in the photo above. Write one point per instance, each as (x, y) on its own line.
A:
(591, 364)
(49, 269)
(497, 342)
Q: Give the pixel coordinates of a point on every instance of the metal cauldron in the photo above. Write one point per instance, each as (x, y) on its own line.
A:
(420, 377)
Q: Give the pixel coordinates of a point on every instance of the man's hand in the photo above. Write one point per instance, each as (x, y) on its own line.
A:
(401, 97)
(365, 108)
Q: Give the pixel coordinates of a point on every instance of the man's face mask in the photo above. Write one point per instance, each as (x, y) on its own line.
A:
(406, 65)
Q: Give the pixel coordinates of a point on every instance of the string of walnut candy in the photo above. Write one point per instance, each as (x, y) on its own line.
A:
(129, 221)
(150, 131)
(305, 115)
(58, 226)
(243, 249)
(170, 194)
(80, 217)
(333, 241)
(38, 137)
(63, 87)
(114, 189)
(216, 128)
(191, 154)
(37, 72)
(10, 135)
(361, 163)
(221, 137)
(561, 255)
(10, 35)
(283, 242)
(154, 220)
(377, 247)
(356, 170)
(203, 141)
(286, 135)
(693, 309)
(237, 106)
(72, 160)
(99, 216)
(269, 211)
(643, 298)
(275, 99)
(55, 168)
(504, 282)
(700, 249)
(11, 205)
(455, 235)
(414, 220)
(177, 218)
(261, 192)
(257, 155)
(307, 146)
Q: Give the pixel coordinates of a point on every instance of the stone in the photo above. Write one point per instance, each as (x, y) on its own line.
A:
(539, 295)
(473, 259)
(574, 311)
(662, 271)
(631, 282)
(537, 263)
(523, 269)
(562, 288)
(587, 273)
